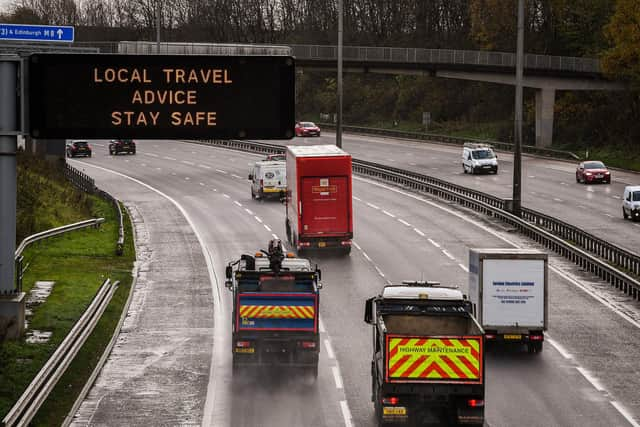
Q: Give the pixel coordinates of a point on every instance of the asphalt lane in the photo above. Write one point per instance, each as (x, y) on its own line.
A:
(548, 186)
(398, 236)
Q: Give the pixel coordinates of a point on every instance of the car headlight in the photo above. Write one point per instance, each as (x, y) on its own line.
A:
(588, 174)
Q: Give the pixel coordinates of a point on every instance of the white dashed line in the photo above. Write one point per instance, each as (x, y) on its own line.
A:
(151, 154)
(444, 251)
(609, 215)
(327, 346)
(581, 207)
(202, 183)
(412, 164)
(236, 176)
(227, 196)
(346, 413)
(563, 183)
(371, 205)
(356, 245)
(563, 351)
(364, 254)
(186, 178)
(168, 158)
(158, 169)
(173, 173)
(558, 200)
(205, 166)
(379, 271)
(388, 214)
(143, 164)
(594, 382)
(99, 145)
(336, 377)
(237, 203)
(186, 162)
(623, 411)
(250, 212)
(221, 171)
(258, 219)
(419, 232)
(402, 221)
(616, 197)
(464, 267)
(214, 189)
(436, 244)
(320, 322)
(356, 198)
(267, 227)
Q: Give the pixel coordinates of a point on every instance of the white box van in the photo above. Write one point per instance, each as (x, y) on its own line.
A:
(631, 202)
(268, 179)
(477, 158)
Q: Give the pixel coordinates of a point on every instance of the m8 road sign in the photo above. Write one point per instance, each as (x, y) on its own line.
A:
(161, 96)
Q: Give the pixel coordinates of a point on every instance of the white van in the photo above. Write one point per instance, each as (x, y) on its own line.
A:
(631, 202)
(477, 158)
(268, 178)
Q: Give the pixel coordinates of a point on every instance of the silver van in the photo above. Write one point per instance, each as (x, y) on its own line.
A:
(478, 158)
(268, 179)
(631, 202)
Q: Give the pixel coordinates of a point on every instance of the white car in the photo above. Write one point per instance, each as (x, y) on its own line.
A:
(631, 202)
(477, 158)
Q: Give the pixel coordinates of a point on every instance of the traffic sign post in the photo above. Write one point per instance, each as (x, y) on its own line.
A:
(39, 33)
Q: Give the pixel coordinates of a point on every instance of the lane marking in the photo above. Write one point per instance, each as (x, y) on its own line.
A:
(357, 198)
(371, 205)
(582, 207)
(227, 196)
(336, 377)
(346, 413)
(558, 200)
(388, 213)
(216, 354)
(186, 162)
(623, 411)
(202, 183)
(258, 219)
(464, 267)
(444, 251)
(402, 221)
(267, 227)
(594, 381)
(151, 154)
(143, 164)
(205, 166)
(559, 348)
(249, 211)
(168, 158)
(379, 271)
(320, 323)
(275, 236)
(609, 215)
(436, 244)
(221, 171)
(356, 245)
(237, 203)
(616, 197)
(419, 232)
(364, 254)
(327, 346)
(236, 176)
(186, 178)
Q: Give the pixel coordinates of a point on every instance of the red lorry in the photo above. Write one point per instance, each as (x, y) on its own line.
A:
(318, 201)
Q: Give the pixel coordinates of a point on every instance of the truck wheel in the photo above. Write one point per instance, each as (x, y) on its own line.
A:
(624, 214)
(253, 195)
(534, 347)
(288, 230)
(464, 169)
(345, 250)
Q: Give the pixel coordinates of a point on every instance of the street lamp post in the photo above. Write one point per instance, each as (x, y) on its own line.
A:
(517, 154)
(158, 17)
(339, 106)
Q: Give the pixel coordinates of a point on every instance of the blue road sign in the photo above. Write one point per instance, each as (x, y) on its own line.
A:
(40, 33)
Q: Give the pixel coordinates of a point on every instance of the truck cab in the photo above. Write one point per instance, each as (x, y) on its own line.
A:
(275, 310)
(428, 358)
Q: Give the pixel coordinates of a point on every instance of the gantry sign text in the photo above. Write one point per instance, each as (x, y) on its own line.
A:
(161, 96)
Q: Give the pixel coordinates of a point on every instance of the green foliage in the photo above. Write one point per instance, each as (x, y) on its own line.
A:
(622, 60)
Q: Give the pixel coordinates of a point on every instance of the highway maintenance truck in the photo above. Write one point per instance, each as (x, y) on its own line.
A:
(318, 200)
(509, 292)
(428, 357)
(275, 310)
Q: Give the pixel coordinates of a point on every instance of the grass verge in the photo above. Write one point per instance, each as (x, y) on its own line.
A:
(78, 262)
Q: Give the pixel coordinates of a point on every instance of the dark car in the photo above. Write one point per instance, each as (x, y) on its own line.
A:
(78, 148)
(593, 171)
(117, 146)
(307, 129)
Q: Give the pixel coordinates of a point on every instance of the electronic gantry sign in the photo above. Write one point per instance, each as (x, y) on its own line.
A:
(161, 96)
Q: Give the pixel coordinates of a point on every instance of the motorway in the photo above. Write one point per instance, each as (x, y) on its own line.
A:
(588, 374)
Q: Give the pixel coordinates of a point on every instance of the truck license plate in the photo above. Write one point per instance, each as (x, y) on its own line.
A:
(321, 244)
(394, 410)
(245, 350)
(513, 337)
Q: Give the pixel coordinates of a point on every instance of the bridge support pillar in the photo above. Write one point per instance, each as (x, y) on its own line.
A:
(545, 102)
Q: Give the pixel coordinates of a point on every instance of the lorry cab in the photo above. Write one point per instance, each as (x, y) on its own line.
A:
(428, 357)
(631, 202)
(478, 158)
(268, 179)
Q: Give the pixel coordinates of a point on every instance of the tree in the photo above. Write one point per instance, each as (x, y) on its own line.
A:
(622, 60)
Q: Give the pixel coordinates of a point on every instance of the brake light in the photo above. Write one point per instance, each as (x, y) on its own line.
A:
(346, 243)
(308, 344)
(304, 244)
(536, 337)
(243, 344)
(490, 336)
(391, 400)
(475, 403)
